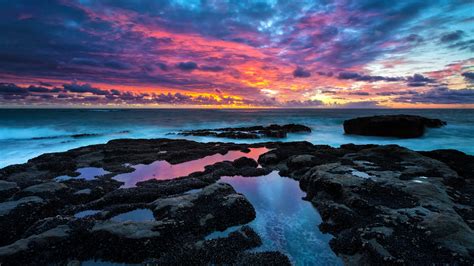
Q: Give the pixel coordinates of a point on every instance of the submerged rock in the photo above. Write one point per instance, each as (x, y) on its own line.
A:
(401, 126)
(255, 132)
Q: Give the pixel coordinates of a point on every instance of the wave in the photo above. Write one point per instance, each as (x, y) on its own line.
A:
(38, 133)
(14, 133)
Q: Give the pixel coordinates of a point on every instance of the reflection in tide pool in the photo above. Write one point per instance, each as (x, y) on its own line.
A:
(162, 170)
(87, 173)
(284, 221)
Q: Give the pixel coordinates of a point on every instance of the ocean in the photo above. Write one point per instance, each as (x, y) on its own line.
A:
(27, 133)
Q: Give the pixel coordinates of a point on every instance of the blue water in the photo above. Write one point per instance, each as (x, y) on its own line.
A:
(138, 215)
(26, 133)
(86, 173)
(284, 221)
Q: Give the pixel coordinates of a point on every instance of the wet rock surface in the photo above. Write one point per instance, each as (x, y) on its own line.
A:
(400, 126)
(47, 220)
(383, 204)
(387, 204)
(255, 132)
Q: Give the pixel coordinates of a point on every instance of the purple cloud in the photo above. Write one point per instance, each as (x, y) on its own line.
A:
(301, 73)
(440, 95)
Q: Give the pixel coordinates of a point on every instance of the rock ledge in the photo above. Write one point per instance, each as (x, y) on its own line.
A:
(401, 126)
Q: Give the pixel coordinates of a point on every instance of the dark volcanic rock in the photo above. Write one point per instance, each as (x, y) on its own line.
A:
(401, 126)
(37, 214)
(245, 161)
(255, 132)
(383, 204)
(224, 251)
(7, 189)
(458, 161)
(387, 204)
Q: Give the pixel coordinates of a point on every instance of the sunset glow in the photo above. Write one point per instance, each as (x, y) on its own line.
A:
(237, 54)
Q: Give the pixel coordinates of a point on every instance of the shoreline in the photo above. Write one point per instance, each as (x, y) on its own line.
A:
(323, 172)
(20, 129)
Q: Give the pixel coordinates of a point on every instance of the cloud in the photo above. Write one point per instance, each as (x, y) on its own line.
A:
(415, 38)
(84, 88)
(452, 36)
(395, 93)
(187, 66)
(360, 105)
(300, 72)
(359, 93)
(11, 89)
(368, 78)
(326, 74)
(86, 94)
(163, 66)
(418, 80)
(237, 46)
(307, 103)
(469, 76)
(38, 89)
(463, 45)
(440, 95)
(117, 65)
(45, 84)
(86, 62)
(211, 68)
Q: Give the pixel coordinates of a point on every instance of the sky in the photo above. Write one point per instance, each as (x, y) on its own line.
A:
(237, 53)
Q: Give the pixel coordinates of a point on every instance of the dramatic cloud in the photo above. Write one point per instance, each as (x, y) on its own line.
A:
(469, 76)
(85, 88)
(232, 53)
(359, 93)
(359, 77)
(419, 80)
(39, 89)
(211, 68)
(440, 95)
(299, 104)
(187, 66)
(11, 89)
(396, 93)
(463, 45)
(301, 73)
(362, 104)
(414, 38)
(452, 36)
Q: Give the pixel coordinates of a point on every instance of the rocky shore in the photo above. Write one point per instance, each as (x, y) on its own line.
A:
(387, 204)
(383, 204)
(255, 132)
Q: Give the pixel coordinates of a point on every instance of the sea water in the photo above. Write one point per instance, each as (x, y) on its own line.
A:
(27, 133)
